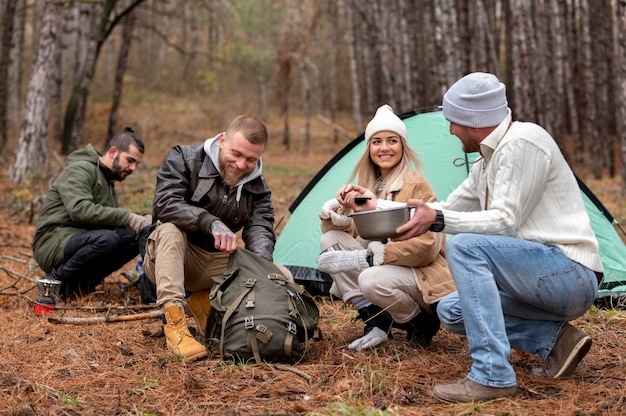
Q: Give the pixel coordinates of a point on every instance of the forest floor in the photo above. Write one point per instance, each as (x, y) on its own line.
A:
(124, 368)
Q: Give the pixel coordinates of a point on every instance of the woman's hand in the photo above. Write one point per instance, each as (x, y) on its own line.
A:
(356, 198)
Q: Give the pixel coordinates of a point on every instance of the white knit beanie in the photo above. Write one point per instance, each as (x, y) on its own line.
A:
(385, 120)
(476, 100)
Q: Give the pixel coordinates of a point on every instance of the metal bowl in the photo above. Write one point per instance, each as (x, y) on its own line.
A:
(381, 223)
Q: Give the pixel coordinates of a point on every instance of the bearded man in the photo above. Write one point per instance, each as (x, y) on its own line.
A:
(205, 194)
(82, 235)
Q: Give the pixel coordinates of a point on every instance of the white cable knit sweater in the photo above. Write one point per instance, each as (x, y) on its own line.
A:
(532, 194)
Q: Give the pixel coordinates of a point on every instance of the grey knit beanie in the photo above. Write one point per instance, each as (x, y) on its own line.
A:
(385, 120)
(476, 100)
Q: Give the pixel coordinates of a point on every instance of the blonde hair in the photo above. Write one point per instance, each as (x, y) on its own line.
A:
(369, 175)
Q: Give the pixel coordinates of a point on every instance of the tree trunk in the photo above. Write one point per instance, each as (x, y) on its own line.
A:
(602, 145)
(122, 63)
(31, 150)
(404, 53)
(520, 60)
(104, 23)
(588, 86)
(354, 71)
(8, 23)
(306, 104)
(335, 13)
(621, 87)
(558, 56)
(14, 96)
(446, 41)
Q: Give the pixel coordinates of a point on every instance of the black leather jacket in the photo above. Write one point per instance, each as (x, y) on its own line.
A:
(189, 186)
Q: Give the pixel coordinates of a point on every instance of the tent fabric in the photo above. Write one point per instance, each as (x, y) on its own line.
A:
(445, 166)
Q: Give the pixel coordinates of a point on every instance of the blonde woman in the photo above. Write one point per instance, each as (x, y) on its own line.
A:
(386, 281)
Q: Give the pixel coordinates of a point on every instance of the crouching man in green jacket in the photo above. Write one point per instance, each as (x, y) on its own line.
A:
(82, 235)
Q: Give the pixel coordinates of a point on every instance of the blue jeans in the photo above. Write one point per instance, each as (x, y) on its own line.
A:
(91, 256)
(511, 293)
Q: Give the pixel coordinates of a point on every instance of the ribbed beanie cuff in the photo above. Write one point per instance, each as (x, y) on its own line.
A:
(385, 120)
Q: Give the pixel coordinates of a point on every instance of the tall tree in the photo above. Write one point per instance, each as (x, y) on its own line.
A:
(77, 103)
(621, 86)
(8, 21)
(601, 26)
(346, 5)
(14, 95)
(122, 63)
(31, 150)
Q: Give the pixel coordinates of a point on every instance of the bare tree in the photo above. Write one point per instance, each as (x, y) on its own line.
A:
(621, 86)
(557, 55)
(122, 63)
(446, 40)
(14, 75)
(353, 65)
(587, 72)
(601, 30)
(107, 18)
(335, 12)
(8, 21)
(31, 151)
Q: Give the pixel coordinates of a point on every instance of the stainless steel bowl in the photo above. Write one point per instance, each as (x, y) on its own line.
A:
(381, 223)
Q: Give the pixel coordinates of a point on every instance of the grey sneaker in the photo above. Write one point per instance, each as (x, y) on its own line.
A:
(467, 391)
(571, 346)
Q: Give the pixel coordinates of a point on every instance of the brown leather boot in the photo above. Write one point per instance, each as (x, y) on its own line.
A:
(199, 305)
(179, 340)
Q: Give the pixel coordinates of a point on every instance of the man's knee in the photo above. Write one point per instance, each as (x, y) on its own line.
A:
(167, 231)
(449, 311)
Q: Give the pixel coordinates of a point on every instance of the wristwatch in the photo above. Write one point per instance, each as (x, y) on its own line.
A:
(439, 223)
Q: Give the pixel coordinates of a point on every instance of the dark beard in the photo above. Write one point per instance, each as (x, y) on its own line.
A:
(117, 172)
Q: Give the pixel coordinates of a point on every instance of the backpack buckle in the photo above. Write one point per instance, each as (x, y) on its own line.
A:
(291, 327)
(250, 282)
(248, 322)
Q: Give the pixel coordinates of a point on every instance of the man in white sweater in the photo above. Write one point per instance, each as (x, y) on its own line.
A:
(523, 255)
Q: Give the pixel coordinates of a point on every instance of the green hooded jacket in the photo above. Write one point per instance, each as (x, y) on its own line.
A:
(82, 198)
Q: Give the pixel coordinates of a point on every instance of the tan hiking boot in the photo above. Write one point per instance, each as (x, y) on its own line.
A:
(179, 340)
(199, 305)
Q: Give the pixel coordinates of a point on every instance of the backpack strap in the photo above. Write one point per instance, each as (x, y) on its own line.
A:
(254, 345)
(249, 286)
(291, 331)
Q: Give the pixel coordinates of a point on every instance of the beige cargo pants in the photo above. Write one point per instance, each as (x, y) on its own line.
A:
(175, 266)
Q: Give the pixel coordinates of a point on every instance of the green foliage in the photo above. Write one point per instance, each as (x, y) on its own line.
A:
(67, 399)
(236, 363)
(207, 81)
(146, 383)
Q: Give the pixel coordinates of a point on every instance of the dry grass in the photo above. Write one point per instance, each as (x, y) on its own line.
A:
(124, 367)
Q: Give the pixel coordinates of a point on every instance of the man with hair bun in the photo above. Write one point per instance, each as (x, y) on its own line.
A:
(82, 235)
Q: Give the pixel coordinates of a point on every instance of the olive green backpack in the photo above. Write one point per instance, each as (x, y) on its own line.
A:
(257, 312)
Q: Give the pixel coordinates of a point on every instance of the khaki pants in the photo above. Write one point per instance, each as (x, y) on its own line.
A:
(176, 266)
(393, 288)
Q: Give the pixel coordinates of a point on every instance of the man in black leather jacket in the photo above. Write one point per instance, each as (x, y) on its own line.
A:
(204, 195)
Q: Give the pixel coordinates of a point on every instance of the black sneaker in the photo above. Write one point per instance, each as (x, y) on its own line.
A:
(421, 329)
